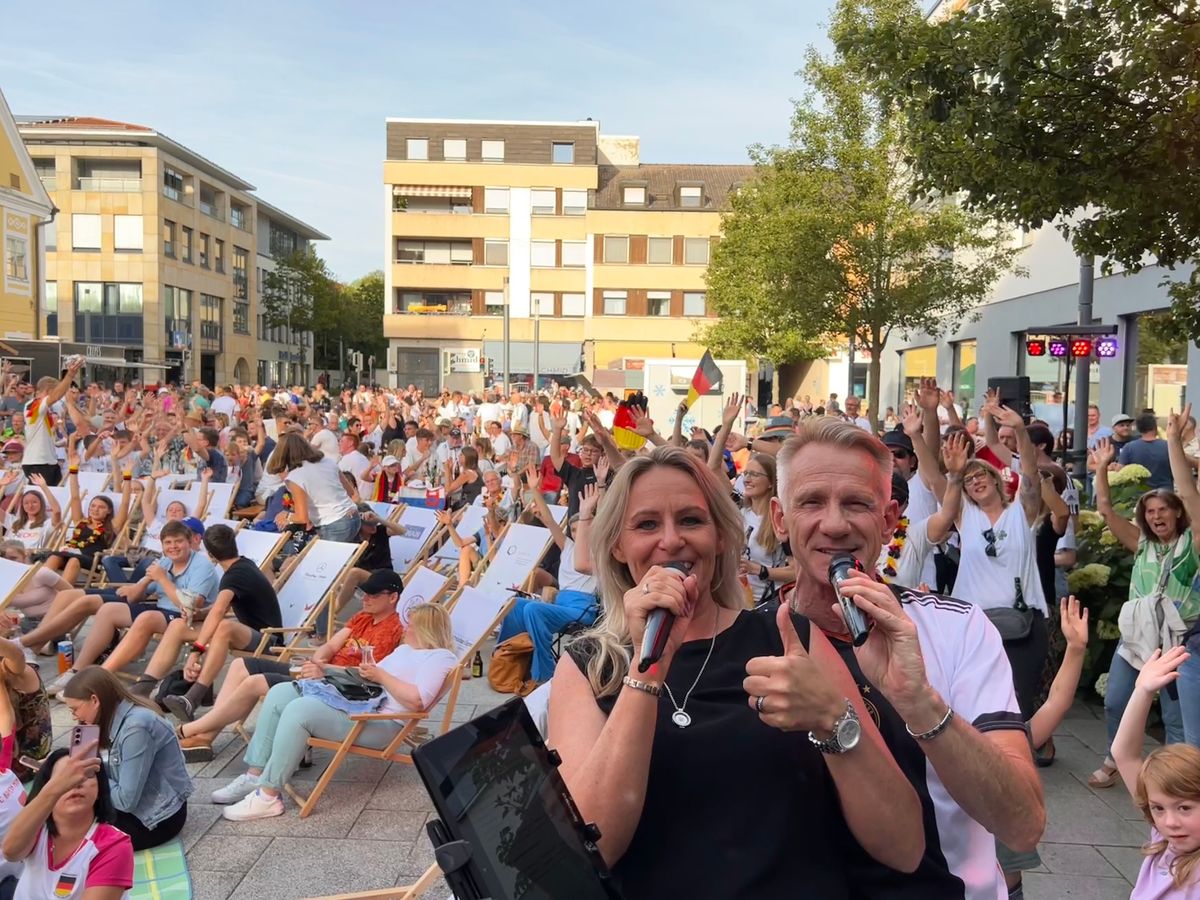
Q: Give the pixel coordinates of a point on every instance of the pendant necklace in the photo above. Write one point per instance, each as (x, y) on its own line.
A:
(680, 716)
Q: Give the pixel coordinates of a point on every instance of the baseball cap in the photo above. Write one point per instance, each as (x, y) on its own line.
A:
(899, 440)
(193, 523)
(455, 432)
(899, 488)
(390, 460)
(1121, 417)
(13, 446)
(383, 581)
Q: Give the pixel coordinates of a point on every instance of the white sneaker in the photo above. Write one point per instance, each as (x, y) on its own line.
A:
(237, 789)
(254, 806)
(55, 687)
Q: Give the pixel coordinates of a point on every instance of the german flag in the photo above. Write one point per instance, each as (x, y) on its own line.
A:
(706, 378)
(624, 423)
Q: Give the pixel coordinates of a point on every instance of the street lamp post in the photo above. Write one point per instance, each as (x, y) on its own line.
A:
(506, 335)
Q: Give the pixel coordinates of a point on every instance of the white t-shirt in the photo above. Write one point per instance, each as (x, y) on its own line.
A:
(757, 554)
(501, 445)
(540, 429)
(327, 499)
(488, 412)
(39, 435)
(32, 536)
(988, 580)
(69, 881)
(922, 503)
(325, 441)
(917, 550)
(12, 799)
(425, 669)
(357, 464)
(227, 405)
(570, 578)
(966, 665)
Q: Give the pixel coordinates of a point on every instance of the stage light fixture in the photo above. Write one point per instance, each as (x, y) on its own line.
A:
(1107, 348)
(1081, 347)
(1035, 347)
(1058, 348)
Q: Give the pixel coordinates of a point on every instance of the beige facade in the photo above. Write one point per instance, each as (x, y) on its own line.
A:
(153, 253)
(597, 257)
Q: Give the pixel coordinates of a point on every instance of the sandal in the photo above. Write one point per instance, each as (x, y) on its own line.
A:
(1104, 777)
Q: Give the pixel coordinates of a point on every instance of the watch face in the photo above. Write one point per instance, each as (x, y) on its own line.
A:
(849, 732)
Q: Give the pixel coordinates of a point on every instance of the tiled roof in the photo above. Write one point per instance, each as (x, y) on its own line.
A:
(662, 181)
(80, 122)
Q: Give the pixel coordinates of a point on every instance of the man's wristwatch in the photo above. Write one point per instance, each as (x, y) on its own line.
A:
(847, 731)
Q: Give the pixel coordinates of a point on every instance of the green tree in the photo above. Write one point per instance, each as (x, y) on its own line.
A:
(363, 312)
(1085, 114)
(826, 242)
(301, 293)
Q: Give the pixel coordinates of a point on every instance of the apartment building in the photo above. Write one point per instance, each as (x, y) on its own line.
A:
(151, 261)
(25, 207)
(598, 258)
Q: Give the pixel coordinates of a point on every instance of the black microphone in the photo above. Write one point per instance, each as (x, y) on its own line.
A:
(658, 626)
(856, 621)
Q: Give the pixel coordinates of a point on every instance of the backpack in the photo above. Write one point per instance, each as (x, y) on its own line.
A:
(511, 662)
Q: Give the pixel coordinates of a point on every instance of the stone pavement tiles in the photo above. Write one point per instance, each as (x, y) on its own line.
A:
(368, 831)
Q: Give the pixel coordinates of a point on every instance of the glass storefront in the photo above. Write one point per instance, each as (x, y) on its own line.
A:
(915, 364)
(1160, 370)
(964, 373)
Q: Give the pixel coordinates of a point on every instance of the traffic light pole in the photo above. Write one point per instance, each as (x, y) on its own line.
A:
(1083, 369)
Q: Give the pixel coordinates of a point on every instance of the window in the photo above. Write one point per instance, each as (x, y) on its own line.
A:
(241, 277)
(574, 253)
(416, 148)
(237, 216)
(50, 234)
(614, 303)
(172, 184)
(690, 197)
(51, 308)
(492, 151)
(85, 231)
(440, 252)
(660, 250)
(495, 200)
(573, 305)
(47, 172)
(493, 303)
(241, 317)
(108, 312)
(123, 299)
(541, 304)
(693, 303)
(695, 251)
(210, 202)
(542, 200)
(574, 203)
(454, 149)
(16, 259)
(108, 175)
(186, 250)
(541, 254)
(634, 196)
(205, 243)
(88, 298)
(127, 233)
(495, 253)
(168, 237)
(219, 255)
(658, 303)
(562, 152)
(616, 248)
(211, 310)
(461, 253)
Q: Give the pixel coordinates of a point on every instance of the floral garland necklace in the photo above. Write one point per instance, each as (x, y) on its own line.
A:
(899, 538)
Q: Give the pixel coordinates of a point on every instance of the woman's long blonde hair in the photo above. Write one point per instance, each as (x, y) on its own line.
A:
(609, 637)
(982, 465)
(431, 624)
(766, 536)
(1174, 770)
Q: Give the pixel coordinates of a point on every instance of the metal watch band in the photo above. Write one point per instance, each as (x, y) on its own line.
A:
(833, 745)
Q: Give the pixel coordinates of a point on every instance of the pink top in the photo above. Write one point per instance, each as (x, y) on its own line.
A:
(1155, 881)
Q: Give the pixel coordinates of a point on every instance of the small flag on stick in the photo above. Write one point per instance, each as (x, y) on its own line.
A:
(707, 376)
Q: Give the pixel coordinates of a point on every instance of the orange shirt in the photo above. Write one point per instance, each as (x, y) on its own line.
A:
(383, 637)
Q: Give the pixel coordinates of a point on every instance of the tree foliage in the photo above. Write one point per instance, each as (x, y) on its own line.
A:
(1084, 114)
(827, 242)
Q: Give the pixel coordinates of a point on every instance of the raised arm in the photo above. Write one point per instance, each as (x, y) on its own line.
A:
(59, 391)
(1030, 492)
(991, 435)
(928, 399)
(1074, 623)
(589, 499)
(716, 452)
(928, 469)
(533, 479)
(939, 525)
(76, 503)
(557, 425)
(1125, 531)
(1060, 513)
(676, 439)
(604, 436)
(1181, 469)
(121, 517)
(1160, 670)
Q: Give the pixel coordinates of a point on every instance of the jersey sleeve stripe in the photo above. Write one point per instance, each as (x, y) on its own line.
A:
(1004, 720)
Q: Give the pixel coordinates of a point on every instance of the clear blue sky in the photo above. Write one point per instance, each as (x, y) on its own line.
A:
(293, 96)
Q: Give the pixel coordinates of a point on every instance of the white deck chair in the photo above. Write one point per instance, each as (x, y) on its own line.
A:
(260, 547)
(390, 512)
(420, 526)
(421, 585)
(93, 482)
(235, 524)
(220, 499)
(473, 617)
(511, 559)
(471, 520)
(13, 578)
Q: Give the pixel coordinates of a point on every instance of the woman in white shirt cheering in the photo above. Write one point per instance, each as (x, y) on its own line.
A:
(319, 498)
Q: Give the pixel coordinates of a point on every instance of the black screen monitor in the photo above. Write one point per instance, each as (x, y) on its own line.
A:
(496, 787)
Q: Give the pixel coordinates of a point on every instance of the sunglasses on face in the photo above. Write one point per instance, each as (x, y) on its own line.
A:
(900, 454)
(990, 537)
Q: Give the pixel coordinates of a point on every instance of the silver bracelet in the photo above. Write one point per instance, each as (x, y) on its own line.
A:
(935, 730)
(645, 686)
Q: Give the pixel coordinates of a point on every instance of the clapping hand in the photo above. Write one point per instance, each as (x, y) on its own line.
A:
(1161, 669)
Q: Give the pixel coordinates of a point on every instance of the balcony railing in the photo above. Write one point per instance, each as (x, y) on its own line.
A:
(212, 210)
(179, 196)
(434, 309)
(109, 185)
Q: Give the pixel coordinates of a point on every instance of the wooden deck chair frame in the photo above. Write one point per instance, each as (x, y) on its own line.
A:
(265, 566)
(394, 752)
(400, 892)
(23, 580)
(213, 508)
(96, 576)
(525, 584)
(434, 533)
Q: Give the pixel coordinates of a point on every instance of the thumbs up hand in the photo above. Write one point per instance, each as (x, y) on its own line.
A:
(792, 692)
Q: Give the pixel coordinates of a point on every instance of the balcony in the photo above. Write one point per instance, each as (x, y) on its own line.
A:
(212, 210)
(434, 199)
(109, 185)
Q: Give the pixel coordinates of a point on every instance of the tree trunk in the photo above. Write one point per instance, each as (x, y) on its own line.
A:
(873, 381)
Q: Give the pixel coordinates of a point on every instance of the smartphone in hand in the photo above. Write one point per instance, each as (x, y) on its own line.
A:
(83, 736)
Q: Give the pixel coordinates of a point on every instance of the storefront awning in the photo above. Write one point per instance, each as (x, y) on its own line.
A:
(428, 190)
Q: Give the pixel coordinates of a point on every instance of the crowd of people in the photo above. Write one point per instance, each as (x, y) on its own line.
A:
(781, 747)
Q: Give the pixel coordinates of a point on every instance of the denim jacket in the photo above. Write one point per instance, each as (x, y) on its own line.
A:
(149, 778)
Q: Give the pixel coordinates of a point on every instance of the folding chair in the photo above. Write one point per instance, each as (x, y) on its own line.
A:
(400, 892)
(390, 512)
(13, 578)
(421, 585)
(420, 528)
(220, 500)
(305, 586)
(512, 558)
(474, 616)
(93, 482)
(261, 547)
(445, 558)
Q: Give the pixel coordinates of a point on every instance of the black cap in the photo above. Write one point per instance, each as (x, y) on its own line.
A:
(383, 581)
(899, 488)
(899, 440)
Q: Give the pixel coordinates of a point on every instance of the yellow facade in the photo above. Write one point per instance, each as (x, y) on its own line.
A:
(24, 206)
(545, 264)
